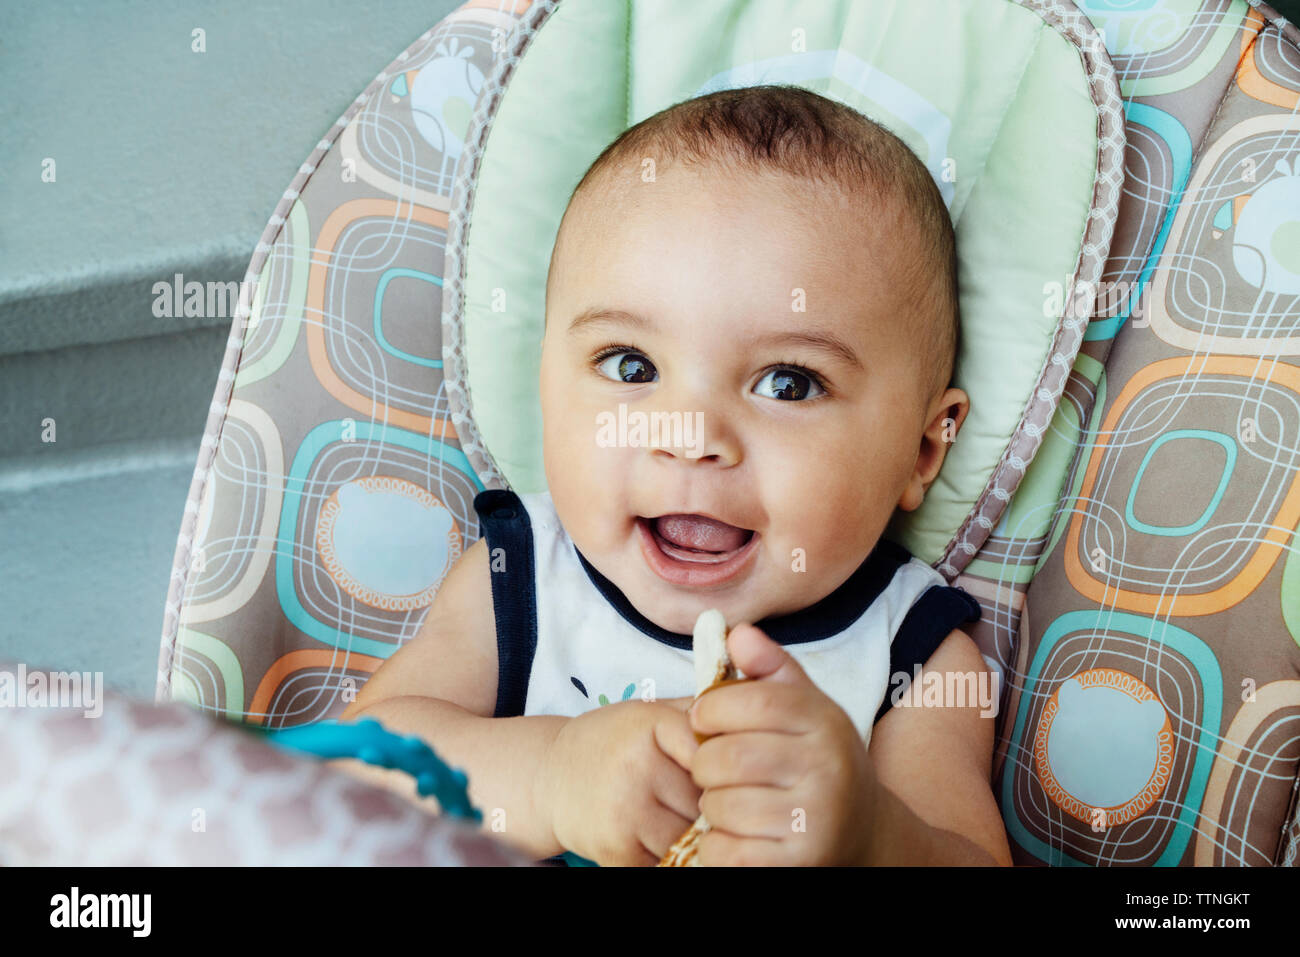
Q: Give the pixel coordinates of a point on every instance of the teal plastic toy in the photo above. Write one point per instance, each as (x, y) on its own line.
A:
(369, 741)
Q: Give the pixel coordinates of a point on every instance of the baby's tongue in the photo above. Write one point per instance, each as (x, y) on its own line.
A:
(696, 531)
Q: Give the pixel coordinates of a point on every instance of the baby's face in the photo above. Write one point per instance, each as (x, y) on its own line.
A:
(765, 316)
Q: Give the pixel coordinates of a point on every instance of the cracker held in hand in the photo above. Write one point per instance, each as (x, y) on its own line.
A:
(713, 667)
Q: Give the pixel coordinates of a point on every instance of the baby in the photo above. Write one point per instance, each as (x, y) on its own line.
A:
(768, 279)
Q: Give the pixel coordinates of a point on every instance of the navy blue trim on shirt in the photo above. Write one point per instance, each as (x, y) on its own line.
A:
(830, 616)
(927, 623)
(505, 525)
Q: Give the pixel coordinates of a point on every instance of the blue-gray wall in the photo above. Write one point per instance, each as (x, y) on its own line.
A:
(166, 161)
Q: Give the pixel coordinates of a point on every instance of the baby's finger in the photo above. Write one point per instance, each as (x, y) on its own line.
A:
(757, 706)
(675, 738)
(648, 858)
(632, 854)
(718, 848)
(762, 812)
(761, 758)
(676, 790)
(681, 704)
(661, 828)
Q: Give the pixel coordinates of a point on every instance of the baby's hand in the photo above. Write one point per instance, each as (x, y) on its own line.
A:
(786, 779)
(615, 784)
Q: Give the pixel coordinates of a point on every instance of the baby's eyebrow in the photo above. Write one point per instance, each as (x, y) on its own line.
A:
(822, 340)
(597, 316)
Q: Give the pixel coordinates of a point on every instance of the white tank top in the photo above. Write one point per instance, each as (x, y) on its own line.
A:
(576, 642)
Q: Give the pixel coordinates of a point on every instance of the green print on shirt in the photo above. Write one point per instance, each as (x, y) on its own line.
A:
(627, 692)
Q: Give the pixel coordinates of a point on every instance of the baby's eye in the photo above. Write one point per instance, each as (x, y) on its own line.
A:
(629, 367)
(791, 385)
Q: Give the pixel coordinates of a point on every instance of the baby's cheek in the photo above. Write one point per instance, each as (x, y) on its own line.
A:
(833, 522)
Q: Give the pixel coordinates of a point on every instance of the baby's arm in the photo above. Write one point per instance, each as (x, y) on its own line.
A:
(936, 805)
(441, 686)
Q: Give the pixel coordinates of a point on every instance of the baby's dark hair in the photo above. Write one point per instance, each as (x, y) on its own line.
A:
(787, 129)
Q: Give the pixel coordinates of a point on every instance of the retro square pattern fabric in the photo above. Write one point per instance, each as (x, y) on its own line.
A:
(1153, 701)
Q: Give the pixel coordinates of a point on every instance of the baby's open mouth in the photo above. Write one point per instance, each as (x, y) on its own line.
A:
(689, 549)
(696, 538)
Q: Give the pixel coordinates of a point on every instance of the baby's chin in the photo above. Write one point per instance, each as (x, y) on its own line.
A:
(673, 607)
(676, 610)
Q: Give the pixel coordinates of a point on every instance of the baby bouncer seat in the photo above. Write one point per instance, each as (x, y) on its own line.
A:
(1123, 499)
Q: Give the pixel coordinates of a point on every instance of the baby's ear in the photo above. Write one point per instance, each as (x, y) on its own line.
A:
(948, 412)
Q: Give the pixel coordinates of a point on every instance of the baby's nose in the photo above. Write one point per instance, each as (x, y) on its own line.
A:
(697, 436)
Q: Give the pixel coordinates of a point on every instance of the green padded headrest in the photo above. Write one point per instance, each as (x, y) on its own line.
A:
(997, 100)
